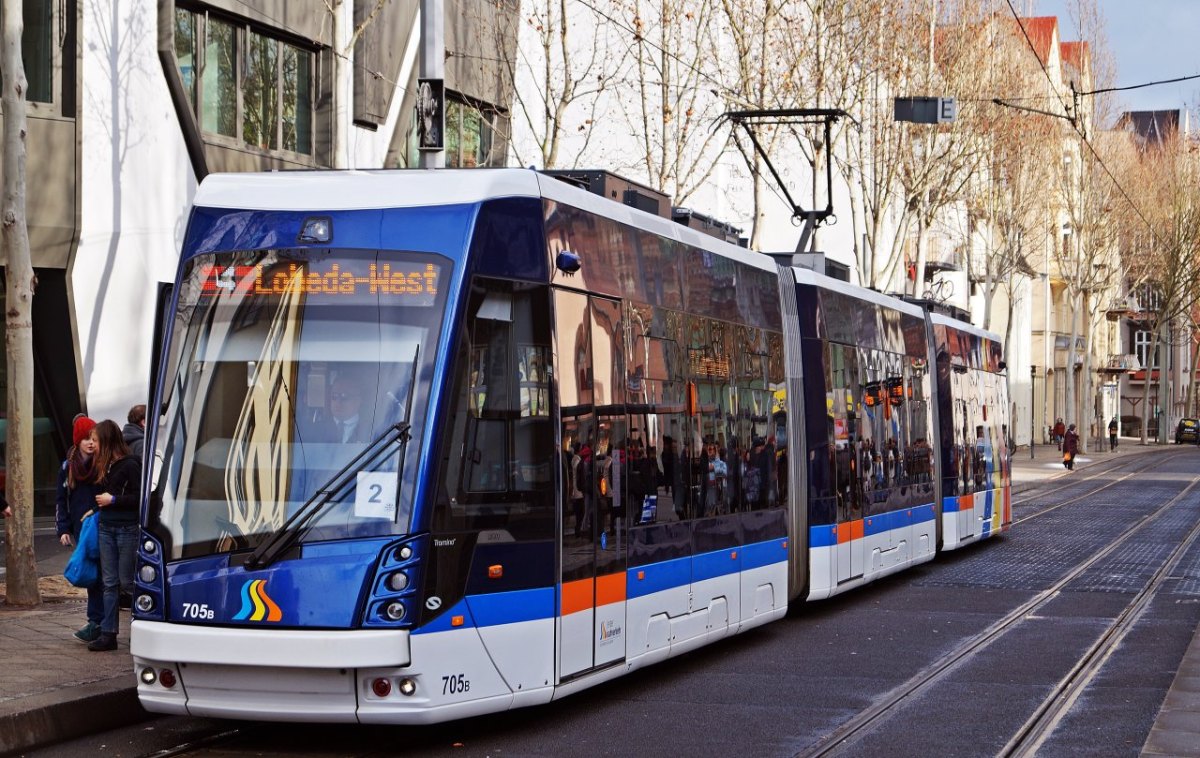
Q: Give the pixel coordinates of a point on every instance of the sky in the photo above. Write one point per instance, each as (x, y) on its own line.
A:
(1151, 40)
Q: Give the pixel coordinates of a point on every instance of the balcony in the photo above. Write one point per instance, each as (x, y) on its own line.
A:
(1121, 363)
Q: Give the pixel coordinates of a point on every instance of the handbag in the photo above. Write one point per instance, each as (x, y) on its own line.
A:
(83, 568)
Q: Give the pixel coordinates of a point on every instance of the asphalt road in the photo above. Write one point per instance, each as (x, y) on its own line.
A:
(786, 689)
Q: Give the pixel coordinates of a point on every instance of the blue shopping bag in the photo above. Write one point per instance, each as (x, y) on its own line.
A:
(83, 569)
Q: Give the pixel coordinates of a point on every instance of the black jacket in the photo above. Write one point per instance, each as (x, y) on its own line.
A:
(124, 481)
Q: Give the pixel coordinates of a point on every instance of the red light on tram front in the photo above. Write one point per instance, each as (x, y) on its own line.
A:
(166, 678)
(382, 687)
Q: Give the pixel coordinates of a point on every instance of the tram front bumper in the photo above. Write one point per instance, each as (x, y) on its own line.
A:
(252, 673)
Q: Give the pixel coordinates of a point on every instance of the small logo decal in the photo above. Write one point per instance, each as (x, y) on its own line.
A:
(433, 603)
(256, 604)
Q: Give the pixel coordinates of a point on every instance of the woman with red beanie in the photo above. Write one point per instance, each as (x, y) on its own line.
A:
(75, 498)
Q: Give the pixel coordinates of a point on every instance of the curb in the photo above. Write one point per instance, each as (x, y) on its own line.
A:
(43, 719)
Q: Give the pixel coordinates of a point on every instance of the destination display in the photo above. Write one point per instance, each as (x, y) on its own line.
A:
(413, 283)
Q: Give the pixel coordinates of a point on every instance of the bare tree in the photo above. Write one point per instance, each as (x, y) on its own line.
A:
(20, 283)
(760, 74)
(674, 98)
(563, 68)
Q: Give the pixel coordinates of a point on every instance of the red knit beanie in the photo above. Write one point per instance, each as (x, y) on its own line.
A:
(83, 426)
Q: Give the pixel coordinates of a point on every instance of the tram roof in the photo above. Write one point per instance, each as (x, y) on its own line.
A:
(808, 276)
(963, 326)
(334, 190)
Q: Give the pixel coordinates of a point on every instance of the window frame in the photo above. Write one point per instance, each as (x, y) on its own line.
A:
(243, 30)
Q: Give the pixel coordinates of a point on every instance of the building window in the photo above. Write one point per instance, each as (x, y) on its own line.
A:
(469, 136)
(1142, 339)
(219, 79)
(37, 50)
(253, 87)
(297, 99)
(185, 52)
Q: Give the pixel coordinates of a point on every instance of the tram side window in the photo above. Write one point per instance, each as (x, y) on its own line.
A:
(499, 456)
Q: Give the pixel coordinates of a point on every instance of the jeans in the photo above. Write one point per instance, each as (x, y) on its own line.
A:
(118, 554)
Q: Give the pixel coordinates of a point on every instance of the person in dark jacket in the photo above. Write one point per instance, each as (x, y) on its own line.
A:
(135, 431)
(119, 488)
(76, 498)
(1070, 447)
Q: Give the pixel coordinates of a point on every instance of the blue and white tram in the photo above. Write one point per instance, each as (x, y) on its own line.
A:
(435, 444)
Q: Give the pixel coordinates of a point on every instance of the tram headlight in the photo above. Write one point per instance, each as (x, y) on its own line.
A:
(407, 687)
(147, 574)
(148, 676)
(398, 582)
(149, 547)
(394, 611)
(405, 553)
(144, 603)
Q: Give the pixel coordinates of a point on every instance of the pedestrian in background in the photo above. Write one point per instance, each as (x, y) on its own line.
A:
(1070, 447)
(135, 431)
(74, 499)
(1113, 427)
(119, 488)
(1060, 431)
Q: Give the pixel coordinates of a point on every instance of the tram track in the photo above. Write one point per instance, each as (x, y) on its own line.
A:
(1054, 707)
(1031, 736)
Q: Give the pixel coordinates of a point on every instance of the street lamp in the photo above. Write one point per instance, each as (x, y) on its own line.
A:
(1032, 395)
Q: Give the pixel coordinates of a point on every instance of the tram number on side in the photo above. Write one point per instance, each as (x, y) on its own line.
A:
(455, 684)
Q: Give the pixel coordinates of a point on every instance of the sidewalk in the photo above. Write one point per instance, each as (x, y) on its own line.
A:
(1047, 460)
(52, 687)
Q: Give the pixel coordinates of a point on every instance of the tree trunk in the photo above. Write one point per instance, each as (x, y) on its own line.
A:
(1149, 367)
(1087, 416)
(1071, 410)
(20, 563)
(919, 284)
(1191, 390)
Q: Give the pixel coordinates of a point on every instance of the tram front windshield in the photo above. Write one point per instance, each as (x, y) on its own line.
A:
(284, 366)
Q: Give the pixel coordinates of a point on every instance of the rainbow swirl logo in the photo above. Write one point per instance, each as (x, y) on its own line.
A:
(256, 604)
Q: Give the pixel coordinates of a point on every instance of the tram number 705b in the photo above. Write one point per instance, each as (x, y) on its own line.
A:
(198, 611)
(455, 684)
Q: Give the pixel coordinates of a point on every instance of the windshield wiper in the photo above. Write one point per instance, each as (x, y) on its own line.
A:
(285, 537)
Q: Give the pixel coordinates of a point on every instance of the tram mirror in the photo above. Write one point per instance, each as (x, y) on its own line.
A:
(496, 306)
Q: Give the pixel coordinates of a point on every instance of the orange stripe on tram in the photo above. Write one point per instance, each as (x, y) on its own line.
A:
(856, 529)
(844, 534)
(576, 596)
(610, 588)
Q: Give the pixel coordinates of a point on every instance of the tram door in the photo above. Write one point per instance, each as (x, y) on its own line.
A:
(591, 597)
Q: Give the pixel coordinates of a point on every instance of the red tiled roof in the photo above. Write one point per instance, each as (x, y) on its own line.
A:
(1043, 31)
(1075, 54)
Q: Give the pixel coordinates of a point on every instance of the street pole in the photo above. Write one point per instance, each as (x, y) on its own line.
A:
(1032, 397)
(432, 68)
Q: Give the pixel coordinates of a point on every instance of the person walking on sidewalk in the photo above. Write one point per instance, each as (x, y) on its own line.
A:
(1060, 431)
(1113, 427)
(119, 485)
(1070, 447)
(74, 499)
